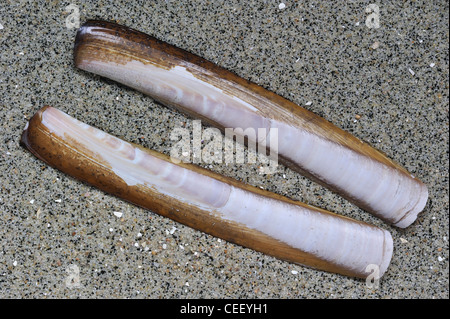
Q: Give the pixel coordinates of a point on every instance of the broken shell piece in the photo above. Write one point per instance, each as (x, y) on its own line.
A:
(206, 201)
(306, 142)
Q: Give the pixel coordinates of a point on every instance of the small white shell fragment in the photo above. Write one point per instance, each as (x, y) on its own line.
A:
(308, 103)
(59, 200)
(411, 71)
(294, 272)
(164, 246)
(15, 263)
(118, 214)
(281, 6)
(403, 240)
(172, 230)
(1, 26)
(32, 201)
(432, 65)
(440, 258)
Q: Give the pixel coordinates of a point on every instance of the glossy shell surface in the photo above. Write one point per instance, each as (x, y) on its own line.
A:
(207, 201)
(306, 142)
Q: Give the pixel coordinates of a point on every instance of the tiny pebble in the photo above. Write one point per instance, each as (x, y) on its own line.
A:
(164, 246)
(357, 116)
(375, 45)
(118, 214)
(111, 229)
(440, 258)
(15, 263)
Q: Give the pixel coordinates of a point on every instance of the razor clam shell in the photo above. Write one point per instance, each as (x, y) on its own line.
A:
(206, 201)
(306, 142)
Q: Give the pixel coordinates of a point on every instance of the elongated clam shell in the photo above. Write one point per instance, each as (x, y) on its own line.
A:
(307, 142)
(207, 201)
